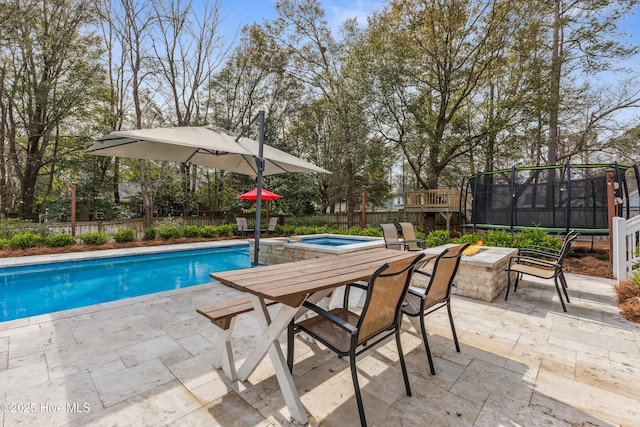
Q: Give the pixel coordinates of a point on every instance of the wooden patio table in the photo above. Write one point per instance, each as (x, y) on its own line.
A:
(292, 284)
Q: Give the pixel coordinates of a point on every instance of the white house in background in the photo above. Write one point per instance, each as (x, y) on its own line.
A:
(395, 202)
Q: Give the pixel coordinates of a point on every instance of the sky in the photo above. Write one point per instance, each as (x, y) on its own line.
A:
(242, 12)
(237, 13)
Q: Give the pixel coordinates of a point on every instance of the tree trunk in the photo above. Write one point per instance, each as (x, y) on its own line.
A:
(116, 180)
(350, 192)
(554, 101)
(146, 201)
(185, 174)
(27, 187)
(554, 89)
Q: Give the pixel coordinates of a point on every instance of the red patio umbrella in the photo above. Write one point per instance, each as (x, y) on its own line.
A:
(266, 195)
(253, 195)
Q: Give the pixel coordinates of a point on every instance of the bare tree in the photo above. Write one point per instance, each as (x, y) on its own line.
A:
(188, 48)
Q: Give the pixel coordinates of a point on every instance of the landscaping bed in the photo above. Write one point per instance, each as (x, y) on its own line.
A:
(581, 260)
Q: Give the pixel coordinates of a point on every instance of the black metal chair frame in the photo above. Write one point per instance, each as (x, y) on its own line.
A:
(426, 307)
(544, 264)
(358, 344)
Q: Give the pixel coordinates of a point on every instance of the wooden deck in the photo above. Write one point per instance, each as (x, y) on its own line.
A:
(441, 200)
(445, 202)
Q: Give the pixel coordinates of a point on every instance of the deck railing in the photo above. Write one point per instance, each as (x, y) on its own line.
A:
(438, 200)
(626, 247)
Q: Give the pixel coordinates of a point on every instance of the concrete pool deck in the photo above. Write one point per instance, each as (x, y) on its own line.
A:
(147, 361)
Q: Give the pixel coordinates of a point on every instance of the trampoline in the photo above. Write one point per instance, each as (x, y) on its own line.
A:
(555, 198)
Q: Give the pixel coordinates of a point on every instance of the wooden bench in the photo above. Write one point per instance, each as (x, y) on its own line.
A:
(224, 315)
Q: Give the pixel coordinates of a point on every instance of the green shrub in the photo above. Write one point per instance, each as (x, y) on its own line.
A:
(535, 237)
(303, 230)
(226, 230)
(171, 228)
(94, 238)
(149, 233)
(4, 243)
(469, 238)
(498, 238)
(209, 231)
(123, 235)
(287, 230)
(60, 240)
(192, 231)
(437, 238)
(25, 240)
(12, 226)
(169, 231)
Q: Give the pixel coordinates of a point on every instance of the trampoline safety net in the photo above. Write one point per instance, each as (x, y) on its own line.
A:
(554, 198)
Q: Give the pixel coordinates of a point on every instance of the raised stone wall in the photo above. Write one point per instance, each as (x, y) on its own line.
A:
(481, 276)
(278, 250)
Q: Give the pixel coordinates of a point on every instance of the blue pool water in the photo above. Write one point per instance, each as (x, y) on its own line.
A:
(46, 288)
(331, 241)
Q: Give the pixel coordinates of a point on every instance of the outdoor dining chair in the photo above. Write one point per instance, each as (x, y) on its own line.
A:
(417, 303)
(543, 264)
(409, 237)
(392, 241)
(243, 227)
(349, 334)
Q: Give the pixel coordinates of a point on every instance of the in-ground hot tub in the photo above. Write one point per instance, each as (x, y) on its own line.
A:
(287, 249)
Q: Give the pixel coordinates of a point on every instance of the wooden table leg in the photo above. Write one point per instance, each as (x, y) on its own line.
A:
(269, 342)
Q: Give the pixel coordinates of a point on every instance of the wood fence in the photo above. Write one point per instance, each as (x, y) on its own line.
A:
(337, 220)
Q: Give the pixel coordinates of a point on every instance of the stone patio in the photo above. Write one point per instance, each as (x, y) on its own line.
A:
(147, 361)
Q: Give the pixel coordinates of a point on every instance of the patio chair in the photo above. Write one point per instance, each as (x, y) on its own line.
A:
(392, 241)
(243, 227)
(417, 303)
(548, 253)
(543, 264)
(409, 237)
(349, 334)
(271, 227)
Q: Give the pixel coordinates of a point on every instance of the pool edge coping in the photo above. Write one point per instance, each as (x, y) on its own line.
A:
(111, 253)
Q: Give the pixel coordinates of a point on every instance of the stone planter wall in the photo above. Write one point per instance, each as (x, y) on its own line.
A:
(481, 276)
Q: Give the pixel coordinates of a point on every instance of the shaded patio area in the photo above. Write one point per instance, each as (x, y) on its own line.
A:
(147, 361)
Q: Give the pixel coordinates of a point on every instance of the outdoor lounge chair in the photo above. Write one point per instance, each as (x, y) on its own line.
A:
(271, 227)
(409, 237)
(417, 304)
(542, 263)
(243, 227)
(350, 334)
(392, 241)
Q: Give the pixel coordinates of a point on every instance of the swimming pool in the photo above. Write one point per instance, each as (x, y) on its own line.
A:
(46, 288)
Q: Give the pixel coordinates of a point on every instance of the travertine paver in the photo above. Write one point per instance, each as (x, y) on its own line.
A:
(147, 361)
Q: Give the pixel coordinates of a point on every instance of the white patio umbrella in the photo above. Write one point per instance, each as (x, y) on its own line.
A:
(206, 146)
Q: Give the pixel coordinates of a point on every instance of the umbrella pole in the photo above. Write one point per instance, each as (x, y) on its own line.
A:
(260, 167)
